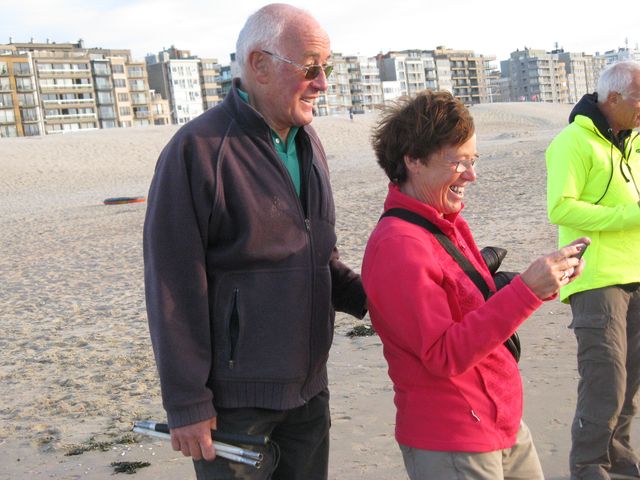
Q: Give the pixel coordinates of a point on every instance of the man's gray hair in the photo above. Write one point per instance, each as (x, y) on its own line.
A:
(263, 30)
(616, 78)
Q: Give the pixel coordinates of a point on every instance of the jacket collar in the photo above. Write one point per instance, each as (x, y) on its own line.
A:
(588, 107)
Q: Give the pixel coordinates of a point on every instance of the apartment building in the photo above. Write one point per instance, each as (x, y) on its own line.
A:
(177, 80)
(365, 85)
(137, 79)
(469, 76)
(160, 109)
(67, 92)
(75, 88)
(130, 87)
(619, 55)
(105, 98)
(442, 72)
(122, 94)
(337, 99)
(20, 113)
(581, 74)
(536, 76)
(209, 70)
(409, 67)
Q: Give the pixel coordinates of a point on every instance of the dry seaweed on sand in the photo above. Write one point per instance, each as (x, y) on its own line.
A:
(92, 444)
(361, 331)
(128, 467)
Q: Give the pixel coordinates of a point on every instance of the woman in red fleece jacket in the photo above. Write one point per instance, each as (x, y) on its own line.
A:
(458, 390)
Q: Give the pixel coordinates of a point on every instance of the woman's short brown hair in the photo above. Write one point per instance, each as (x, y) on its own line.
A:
(419, 126)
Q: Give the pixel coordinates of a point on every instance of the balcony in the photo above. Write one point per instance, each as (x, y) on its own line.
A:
(68, 101)
(64, 73)
(84, 87)
(71, 116)
(21, 73)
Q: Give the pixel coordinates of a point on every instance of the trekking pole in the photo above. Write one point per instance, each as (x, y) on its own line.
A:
(224, 450)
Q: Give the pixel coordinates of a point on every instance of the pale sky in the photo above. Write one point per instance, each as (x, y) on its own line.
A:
(209, 28)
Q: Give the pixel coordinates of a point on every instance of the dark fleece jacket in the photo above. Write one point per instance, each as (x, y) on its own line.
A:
(242, 276)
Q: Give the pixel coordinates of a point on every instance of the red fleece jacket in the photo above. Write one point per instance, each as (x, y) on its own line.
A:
(457, 388)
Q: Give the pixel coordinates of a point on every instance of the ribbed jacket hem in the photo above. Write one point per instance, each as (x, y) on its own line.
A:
(274, 396)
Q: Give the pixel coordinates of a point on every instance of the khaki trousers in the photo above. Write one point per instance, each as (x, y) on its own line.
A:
(519, 462)
(606, 322)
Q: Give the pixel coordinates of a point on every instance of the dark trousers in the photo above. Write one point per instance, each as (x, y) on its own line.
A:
(606, 322)
(299, 449)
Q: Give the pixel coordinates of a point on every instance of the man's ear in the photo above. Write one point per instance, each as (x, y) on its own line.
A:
(613, 97)
(260, 66)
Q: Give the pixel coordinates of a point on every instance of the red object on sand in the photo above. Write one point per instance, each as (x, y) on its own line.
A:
(123, 200)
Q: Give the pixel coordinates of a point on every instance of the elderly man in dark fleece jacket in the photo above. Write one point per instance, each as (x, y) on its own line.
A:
(241, 268)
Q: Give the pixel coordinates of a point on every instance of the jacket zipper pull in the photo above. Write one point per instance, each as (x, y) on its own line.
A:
(475, 416)
(307, 224)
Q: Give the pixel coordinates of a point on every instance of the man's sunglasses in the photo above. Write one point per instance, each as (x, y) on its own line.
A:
(310, 71)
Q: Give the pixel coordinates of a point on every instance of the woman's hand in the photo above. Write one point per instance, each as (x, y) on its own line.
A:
(547, 274)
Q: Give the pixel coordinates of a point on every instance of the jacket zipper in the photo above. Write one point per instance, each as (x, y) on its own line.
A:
(234, 330)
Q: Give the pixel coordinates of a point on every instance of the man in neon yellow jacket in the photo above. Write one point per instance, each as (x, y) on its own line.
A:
(593, 190)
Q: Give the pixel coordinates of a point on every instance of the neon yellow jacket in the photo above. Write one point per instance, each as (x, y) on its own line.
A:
(593, 190)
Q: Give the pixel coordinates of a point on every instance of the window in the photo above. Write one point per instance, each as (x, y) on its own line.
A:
(3, 68)
(6, 100)
(125, 110)
(136, 85)
(31, 130)
(123, 97)
(105, 97)
(24, 84)
(103, 83)
(7, 116)
(4, 84)
(138, 98)
(119, 82)
(116, 68)
(101, 69)
(21, 68)
(8, 131)
(136, 72)
(106, 112)
(28, 100)
(29, 114)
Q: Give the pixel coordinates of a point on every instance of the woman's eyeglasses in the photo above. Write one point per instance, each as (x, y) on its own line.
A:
(310, 71)
(463, 165)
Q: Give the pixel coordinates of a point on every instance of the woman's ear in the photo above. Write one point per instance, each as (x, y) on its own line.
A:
(410, 163)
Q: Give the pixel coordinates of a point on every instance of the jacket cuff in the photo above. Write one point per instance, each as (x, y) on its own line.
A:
(179, 417)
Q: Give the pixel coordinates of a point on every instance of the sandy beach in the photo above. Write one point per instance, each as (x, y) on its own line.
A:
(77, 367)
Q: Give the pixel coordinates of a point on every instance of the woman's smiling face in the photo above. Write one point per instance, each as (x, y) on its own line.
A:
(437, 183)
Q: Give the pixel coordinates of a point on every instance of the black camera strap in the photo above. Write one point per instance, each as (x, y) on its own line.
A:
(513, 343)
(446, 243)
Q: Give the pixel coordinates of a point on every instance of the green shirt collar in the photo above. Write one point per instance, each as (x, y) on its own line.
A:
(286, 150)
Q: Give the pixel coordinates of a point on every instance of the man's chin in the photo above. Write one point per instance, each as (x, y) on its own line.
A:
(304, 119)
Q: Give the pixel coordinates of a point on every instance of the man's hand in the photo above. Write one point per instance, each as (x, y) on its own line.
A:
(195, 440)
